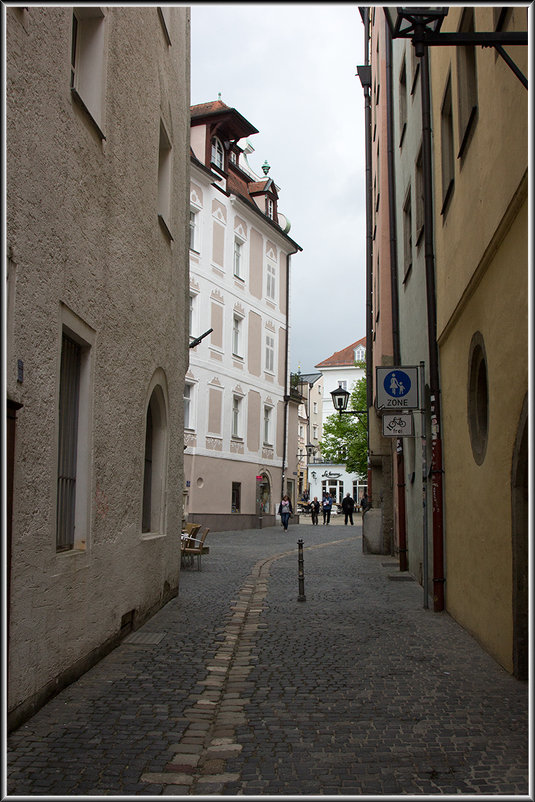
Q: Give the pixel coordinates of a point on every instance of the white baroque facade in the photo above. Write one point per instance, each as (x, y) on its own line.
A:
(97, 169)
(240, 423)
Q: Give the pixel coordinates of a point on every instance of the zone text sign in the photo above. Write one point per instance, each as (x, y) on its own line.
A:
(397, 388)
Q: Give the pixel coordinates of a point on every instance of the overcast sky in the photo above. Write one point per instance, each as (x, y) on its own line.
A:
(290, 69)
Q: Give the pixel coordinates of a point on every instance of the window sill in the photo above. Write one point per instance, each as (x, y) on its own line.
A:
(152, 535)
(79, 101)
(467, 135)
(165, 228)
(447, 198)
(78, 549)
(415, 78)
(419, 236)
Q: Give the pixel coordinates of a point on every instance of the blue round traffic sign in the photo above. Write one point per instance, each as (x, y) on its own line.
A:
(397, 383)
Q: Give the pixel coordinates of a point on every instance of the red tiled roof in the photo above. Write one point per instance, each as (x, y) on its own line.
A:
(237, 184)
(208, 108)
(257, 186)
(343, 358)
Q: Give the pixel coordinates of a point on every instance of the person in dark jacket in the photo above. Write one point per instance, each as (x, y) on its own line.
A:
(348, 505)
(364, 503)
(315, 507)
(285, 510)
(326, 505)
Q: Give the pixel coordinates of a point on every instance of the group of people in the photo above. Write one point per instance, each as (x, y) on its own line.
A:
(325, 506)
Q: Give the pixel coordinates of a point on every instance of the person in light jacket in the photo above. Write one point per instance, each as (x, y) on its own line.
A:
(315, 507)
(285, 510)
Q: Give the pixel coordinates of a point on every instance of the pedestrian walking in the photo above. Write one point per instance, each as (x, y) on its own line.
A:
(285, 510)
(315, 507)
(348, 505)
(326, 506)
(364, 503)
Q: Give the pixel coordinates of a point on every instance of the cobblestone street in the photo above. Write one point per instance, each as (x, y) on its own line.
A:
(238, 688)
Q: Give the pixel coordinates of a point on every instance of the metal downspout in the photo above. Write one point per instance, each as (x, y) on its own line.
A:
(400, 461)
(286, 376)
(365, 79)
(434, 382)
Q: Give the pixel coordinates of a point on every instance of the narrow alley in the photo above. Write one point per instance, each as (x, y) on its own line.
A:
(237, 688)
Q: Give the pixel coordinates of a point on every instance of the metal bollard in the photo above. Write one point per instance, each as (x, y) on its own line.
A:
(301, 572)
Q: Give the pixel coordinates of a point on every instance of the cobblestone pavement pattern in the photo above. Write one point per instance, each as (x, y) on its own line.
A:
(236, 687)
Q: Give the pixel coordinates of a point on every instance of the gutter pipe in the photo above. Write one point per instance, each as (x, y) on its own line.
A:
(434, 381)
(287, 388)
(364, 73)
(400, 461)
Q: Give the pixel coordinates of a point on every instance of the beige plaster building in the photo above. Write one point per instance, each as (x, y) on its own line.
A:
(240, 416)
(480, 109)
(97, 171)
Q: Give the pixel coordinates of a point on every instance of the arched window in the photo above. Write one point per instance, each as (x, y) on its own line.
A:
(217, 153)
(478, 398)
(155, 465)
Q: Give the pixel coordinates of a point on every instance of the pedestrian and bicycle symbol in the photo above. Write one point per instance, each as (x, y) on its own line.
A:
(397, 387)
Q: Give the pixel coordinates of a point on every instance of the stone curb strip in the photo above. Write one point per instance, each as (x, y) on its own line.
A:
(209, 740)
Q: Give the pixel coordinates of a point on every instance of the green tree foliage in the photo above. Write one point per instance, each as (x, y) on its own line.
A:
(345, 437)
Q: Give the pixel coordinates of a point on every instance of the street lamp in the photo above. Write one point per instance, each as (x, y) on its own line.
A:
(422, 25)
(340, 400)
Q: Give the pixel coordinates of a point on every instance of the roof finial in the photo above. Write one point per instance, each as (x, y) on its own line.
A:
(266, 167)
(219, 95)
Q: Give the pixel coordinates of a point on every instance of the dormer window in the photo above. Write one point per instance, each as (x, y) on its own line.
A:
(217, 153)
(360, 354)
(233, 158)
(269, 208)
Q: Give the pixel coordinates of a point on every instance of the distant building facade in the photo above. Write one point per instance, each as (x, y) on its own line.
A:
(241, 418)
(310, 423)
(97, 165)
(342, 369)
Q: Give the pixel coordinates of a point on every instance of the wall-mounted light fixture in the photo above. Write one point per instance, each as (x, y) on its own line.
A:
(340, 401)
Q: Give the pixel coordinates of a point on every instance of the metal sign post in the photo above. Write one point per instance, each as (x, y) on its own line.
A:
(424, 487)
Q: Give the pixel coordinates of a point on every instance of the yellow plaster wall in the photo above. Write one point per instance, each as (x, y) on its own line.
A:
(492, 167)
(477, 497)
